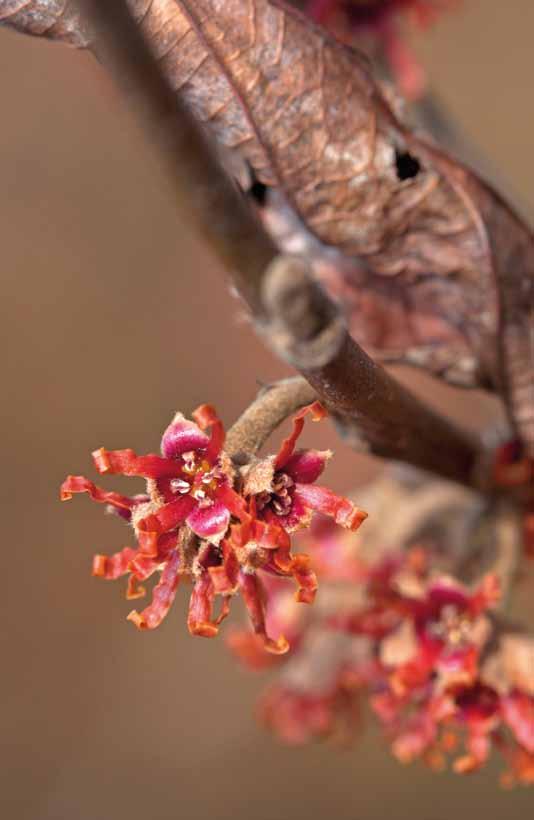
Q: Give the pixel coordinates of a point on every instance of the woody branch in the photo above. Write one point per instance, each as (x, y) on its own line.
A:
(288, 306)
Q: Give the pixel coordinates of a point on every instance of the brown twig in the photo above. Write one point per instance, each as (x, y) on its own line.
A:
(272, 406)
(367, 402)
(394, 423)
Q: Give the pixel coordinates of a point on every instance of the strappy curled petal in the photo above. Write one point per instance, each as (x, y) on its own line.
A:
(148, 543)
(267, 534)
(317, 412)
(225, 610)
(142, 567)
(234, 502)
(163, 595)
(520, 765)
(281, 562)
(200, 616)
(126, 515)
(305, 577)
(80, 484)
(127, 462)
(249, 648)
(323, 500)
(225, 576)
(253, 596)
(148, 560)
(206, 416)
(167, 517)
(134, 589)
(112, 567)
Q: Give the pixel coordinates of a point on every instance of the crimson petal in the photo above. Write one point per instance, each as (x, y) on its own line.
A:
(317, 412)
(253, 596)
(153, 550)
(199, 619)
(163, 595)
(206, 416)
(305, 577)
(182, 436)
(127, 462)
(209, 522)
(305, 466)
(224, 577)
(323, 500)
(112, 567)
(234, 502)
(168, 516)
(80, 484)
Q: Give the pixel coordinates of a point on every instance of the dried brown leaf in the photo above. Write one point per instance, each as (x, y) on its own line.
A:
(442, 271)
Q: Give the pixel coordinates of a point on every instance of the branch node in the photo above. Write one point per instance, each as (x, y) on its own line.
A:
(302, 323)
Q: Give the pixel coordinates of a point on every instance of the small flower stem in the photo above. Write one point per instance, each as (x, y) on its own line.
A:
(273, 405)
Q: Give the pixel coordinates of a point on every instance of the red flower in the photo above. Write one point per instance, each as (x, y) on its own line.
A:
(282, 488)
(189, 484)
(282, 617)
(298, 716)
(445, 634)
(281, 499)
(196, 521)
(436, 668)
(520, 763)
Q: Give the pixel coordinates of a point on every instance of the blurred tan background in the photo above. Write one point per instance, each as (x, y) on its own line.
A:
(112, 318)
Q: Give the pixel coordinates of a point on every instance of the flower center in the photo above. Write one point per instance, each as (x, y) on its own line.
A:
(279, 498)
(201, 479)
(453, 627)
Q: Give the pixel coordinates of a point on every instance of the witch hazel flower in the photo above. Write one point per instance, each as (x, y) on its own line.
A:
(443, 673)
(451, 672)
(189, 495)
(440, 635)
(281, 498)
(197, 521)
(282, 488)
(320, 682)
(432, 723)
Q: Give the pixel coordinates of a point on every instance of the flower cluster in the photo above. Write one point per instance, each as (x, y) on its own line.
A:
(379, 20)
(437, 665)
(225, 527)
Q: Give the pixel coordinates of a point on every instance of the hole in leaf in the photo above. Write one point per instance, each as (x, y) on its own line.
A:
(407, 165)
(258, 191)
